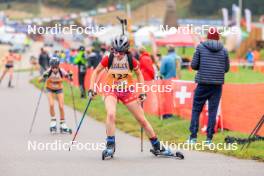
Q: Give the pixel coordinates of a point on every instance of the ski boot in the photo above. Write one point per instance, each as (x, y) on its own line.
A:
(110, 148)
(208, 141)
(191, 140)
(64, 129)
(160, 150)
(53, 126)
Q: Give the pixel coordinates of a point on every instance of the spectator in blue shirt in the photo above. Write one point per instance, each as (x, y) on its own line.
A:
(170, 68)
(170, 65)
(250, 58)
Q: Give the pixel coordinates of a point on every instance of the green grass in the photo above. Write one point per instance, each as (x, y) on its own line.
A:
(262, 54)
(22, 70)
(171, 130)
(244, 75)
(189, 51)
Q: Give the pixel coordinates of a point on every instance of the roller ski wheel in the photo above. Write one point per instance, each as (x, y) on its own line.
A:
(53, 126)
(108, 152)
(53, 130)
(167, 153)
(179, 155)
(64, 129)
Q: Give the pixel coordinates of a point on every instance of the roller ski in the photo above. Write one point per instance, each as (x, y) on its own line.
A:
(167, 153)
(53, 126)
(161, 151)
(110, 149)
(64, 129)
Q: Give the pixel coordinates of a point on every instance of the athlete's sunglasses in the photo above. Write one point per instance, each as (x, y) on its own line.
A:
(119, 53)
(54, 67)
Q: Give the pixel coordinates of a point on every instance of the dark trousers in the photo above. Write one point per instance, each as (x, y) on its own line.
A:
(204, 92)
(81, 76)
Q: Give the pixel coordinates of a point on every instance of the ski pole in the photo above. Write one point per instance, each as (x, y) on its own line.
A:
(74, 107)
(80, 123)
(141, 133)
(36, 110)
(141, 138)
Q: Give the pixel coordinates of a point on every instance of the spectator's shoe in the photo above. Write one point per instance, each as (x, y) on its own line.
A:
(208, 141)
(167, 116)
(83, 95)
(191, 140)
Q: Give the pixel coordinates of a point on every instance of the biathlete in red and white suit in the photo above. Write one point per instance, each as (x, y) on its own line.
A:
(120, 66)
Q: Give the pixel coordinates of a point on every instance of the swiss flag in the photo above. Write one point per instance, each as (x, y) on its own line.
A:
(183, 92)
(183, 97)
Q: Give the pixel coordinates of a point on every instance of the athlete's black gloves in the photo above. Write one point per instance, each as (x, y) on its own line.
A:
(70, 76)
(45, 76)
(142, 96)
(91, 93)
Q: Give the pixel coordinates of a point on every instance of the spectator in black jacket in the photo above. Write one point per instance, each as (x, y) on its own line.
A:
(43, 60)
(212, 62)
(94, 58)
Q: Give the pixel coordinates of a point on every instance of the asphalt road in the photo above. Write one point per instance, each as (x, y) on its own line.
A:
(16, 111)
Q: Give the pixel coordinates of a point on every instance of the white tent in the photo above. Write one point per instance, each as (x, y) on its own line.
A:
(233, 40)
(142, 36)
(7, 29)
(107, 34)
